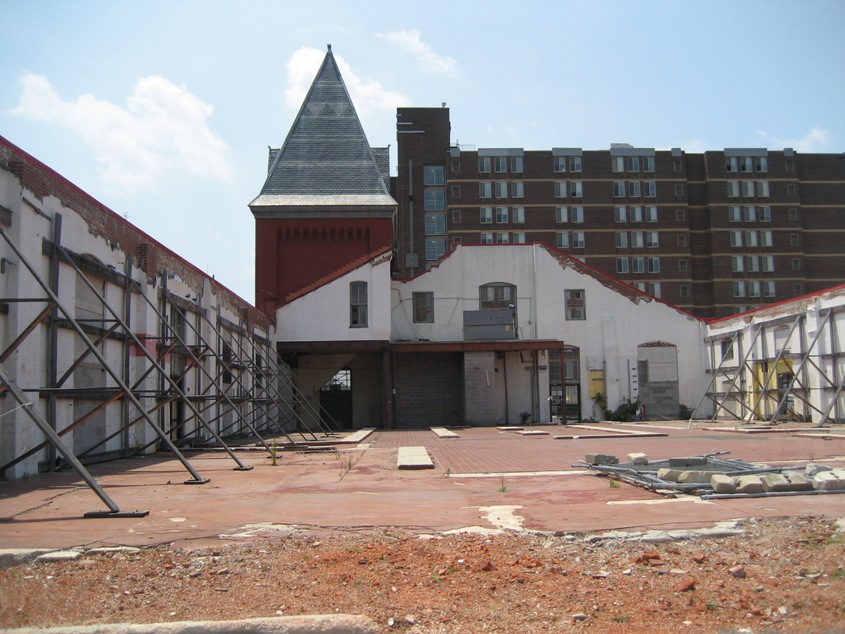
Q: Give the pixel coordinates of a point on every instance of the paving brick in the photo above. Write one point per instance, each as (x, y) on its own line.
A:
(723, 484)
(749, 484)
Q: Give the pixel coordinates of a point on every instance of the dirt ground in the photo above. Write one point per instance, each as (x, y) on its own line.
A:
(780, 575)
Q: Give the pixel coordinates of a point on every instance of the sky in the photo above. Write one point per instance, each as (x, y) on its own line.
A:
(163, 110)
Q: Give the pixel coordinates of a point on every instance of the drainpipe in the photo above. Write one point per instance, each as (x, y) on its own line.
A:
(507, 406)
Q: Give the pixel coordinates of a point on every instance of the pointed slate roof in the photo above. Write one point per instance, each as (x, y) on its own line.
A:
(326, 163)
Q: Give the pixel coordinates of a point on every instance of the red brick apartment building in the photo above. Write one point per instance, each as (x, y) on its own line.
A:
(714, 233)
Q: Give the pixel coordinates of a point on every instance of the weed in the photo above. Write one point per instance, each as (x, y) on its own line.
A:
(448, 472)
(503, 488)
(621, 619)
(273, 454)
(614, 484)
(839, 574)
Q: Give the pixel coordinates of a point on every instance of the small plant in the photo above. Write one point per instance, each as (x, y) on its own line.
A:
(448, 472)
(621, 619)
(524, 417)
(273, 454)
(503, 488)
(614, 484)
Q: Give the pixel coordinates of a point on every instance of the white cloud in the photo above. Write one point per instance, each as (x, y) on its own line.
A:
(367, 95)
(161, 128)
(427, 59)
(816, 140)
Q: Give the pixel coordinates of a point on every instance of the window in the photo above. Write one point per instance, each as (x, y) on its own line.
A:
(747, 188)
(621, 265)
(486, 237)
(578, 240)
(636, 239)
(562, 240)
(678, 165)
(763, 189)
(793, 215)
(638, 264)
(497, 295)
(501, 214)
(737, 262)
(503, 238)
(560, 164)
(485, 189)
(575, 164)
(683, 290)
(501, 189)
(516, 164)
(790, 189)
(795, 239)
(789, 165)
(736, 238)
(456, 165)
(618, 189)
(769, 288)
(518, 215)
(435, 248)
(577, 214)
(653, 265)
(621, 240)
(733, 189)
(633, 163)
(796, 264)
(519, 237)
(745, 164)
(423, 308)
(434, 199)
(484, 164)
(500, 164)
(651, 214)
(751, 238)
(653, 288)
(764, 214)
(649, 189)
(457, 240)
(753, 288)
(797, 289)
(435, 224)
(727, 349)
(648, 163)
(636, 214)
(576, 308)
(680, 215)
(752, 263)
(358, 305)
(620, 214)
(739, 289)
(679, 191)
(683, 265)
(734, 213)
(456, 216)
(485, 215)
(652, 239)
(561, 214)
(634, 189)
(617, 163)
(575, 189)
(749, 214)
(517, 190)
(731, 164)
(767, 263)
(456, 191)
(761, 164)
(560, 189)
(434, 175)
(681, 240)
(766, 238)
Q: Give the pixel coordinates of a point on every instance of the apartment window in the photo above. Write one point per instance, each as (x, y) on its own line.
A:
(739, 289)
(620, 214)
(734, 213)
(575, 164)
(485, 189)
(752, 263)
(683, 265)
(763, 189)
(560, 189)
(731, 164)
(751, 238)
(618, 189)
(435, 248)
(485, 215)
(434, 175)
(517, 190)
(796, 264)
(637, 264)
(518, 215)
(636, 214)
(634, 189)
(503, 238)
(767, 263)
(652, 239)
(633, 163)
(749, 214)
(486, 237)
(679, 191)
(764, 214)
(789, 165)
(769, 288)
(793, 215)
(578, 241)
(653, 288)
(680, 215)
(736, 238)
(577, 214)
(761, 164)
(650, 189)
(747, 188)
(562, 240)
(576, 308)
(501, 214)
(681, 239)
(621, 265)
(795, 239)
(484, 164)
(435, 224)
(423, 308)
(456, 165)
(683, 290)
(561, 214)
(496, 295)
(516, 164)
(648, 163)
(621, 240)
(766, 239)
(456, 191)
(434, 199)
(501, 189)
(636, 239)
(737, 262)
(575, 189)
(456, 216)
(678, 165)
(358, 305)
(790, 189)
(500, 164)
(618, 164)
(560, 164)
(733, 189)
(640, 286)
(653, 265)
(745, 164)
(519, 237)
(651, 214)
(753, 288)
(797, 289)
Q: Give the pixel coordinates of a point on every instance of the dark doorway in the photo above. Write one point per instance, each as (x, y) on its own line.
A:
(336, 400)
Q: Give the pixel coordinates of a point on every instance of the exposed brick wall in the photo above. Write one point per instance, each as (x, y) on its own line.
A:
(429, 389)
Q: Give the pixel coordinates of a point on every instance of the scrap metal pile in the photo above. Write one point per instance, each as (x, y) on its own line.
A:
(711, 477)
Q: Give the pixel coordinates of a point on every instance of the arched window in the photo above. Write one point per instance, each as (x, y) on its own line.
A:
(496, 295)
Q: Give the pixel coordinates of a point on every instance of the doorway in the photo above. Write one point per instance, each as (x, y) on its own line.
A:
(336, 400)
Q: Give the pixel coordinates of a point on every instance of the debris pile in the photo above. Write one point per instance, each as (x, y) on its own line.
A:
(710, 476)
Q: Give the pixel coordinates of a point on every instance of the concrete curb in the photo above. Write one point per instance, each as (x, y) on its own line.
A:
(322, 624)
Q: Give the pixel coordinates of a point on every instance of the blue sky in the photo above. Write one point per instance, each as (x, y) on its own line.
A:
(163, 110)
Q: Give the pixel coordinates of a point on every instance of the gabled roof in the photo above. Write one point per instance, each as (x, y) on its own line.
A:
(326, 163)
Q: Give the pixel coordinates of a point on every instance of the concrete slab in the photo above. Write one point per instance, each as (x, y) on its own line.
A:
(413, 458)
(442, 432)
(358, 436)
(506, 428)
(534, 432)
